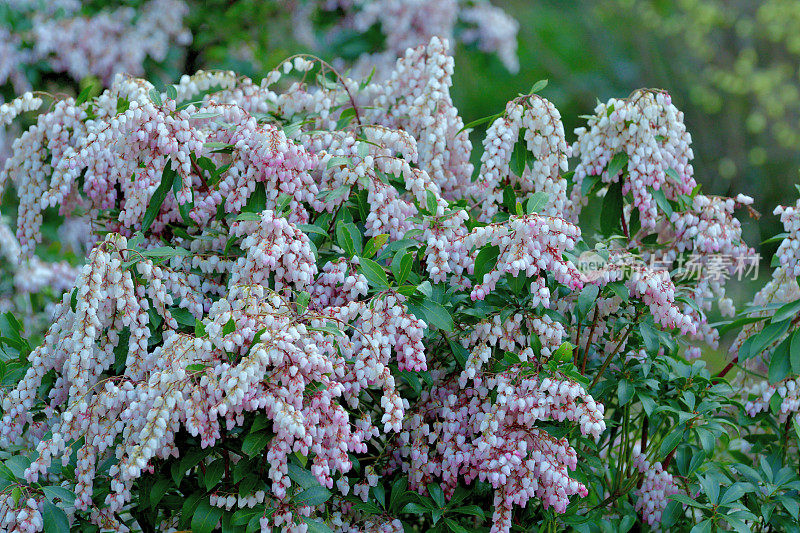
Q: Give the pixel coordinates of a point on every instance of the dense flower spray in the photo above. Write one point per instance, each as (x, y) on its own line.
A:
(298, 291)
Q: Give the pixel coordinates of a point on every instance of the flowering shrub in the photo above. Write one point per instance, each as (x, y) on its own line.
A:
(306, 310)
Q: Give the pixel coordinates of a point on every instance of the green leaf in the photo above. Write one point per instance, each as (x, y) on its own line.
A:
(253, 443)
(519, 157)
(166, 251)
(794, 352)
(478, 122)
(620, 289)
(485, 261)
(471, 510)
(414, 508)
(649, 336)
(616, 164)
(348, 237)
(671, 441)
(430, 202)
(206, 114)
(735, 492)
(586, 300)
(205, 517)
(214, 473)
(55, 492)
(315, 526)
(248, 216)
(703, 527)
(401, 266)
(684, 499)
(625, 391)
(243, 516)
(380, 494)
(338, 161)
(374, 273)
(662, 202)
(771, 333)
(436, 315)
(54, 519)
(302, 477)
(158, 197)
(375, 244)
(155, 96)
(611, 211)
(437, 494)
(790, 504)
(190, 505)
(313, 496)
(538, 86)
(710, 488)
(787, 311)
(537, 202)
(17, 464)
(84, 95)
(455, 526)
(398, 491)
(302, 302)
(779, 364)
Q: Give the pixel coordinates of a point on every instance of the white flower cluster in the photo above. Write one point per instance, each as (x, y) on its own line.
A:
(23, 517)
(649, 130)
(544, 139)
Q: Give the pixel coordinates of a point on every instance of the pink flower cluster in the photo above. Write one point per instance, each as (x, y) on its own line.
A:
(656, 487)
(528, 244)
(233, 196)
(457, 431)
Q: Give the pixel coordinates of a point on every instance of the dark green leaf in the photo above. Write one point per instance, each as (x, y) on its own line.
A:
(625, 391)
(214, 473)
(437, 494)
(316, 526)
(779, 364)
(255, 442)
(313, 496)
(455, 526)
(374, 273)
(54, 519)
(794, 352)
(787, 311)
(205, 517)
(158, 197)
(519, 157)
(671, 441)
(485, 261)
(611, 211)
(616, 164)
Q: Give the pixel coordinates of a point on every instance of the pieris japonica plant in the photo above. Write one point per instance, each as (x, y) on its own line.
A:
(306, 310)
